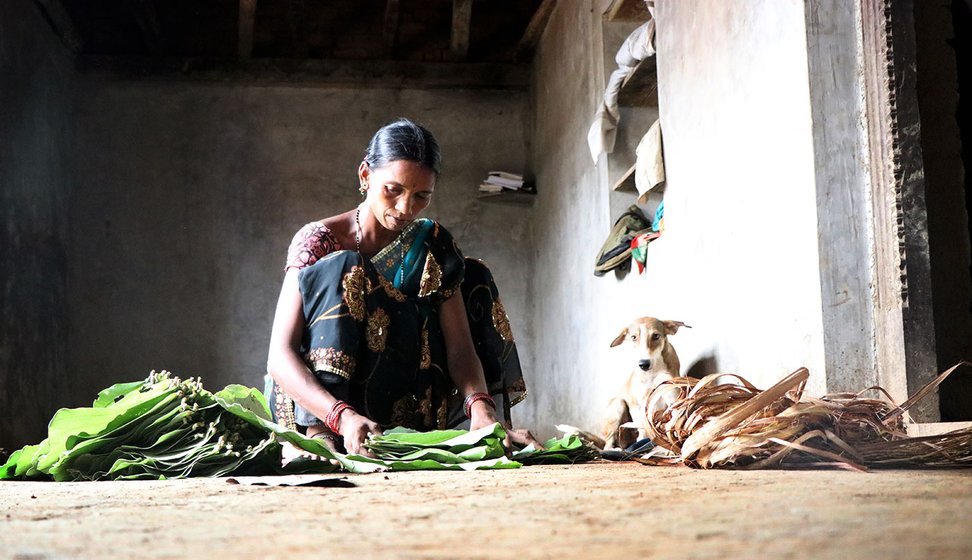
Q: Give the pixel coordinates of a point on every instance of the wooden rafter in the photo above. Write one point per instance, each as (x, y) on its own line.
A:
(62, 24)
(384, 74)
(627, 10)
(461, 18)
(297, 21)
(147, 19)
(534, 30)
(391, 26)
(247, 17)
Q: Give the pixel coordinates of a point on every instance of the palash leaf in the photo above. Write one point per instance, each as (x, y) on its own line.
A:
(567, 449)
(111, 394)
(72, 425)
(165, 427)
(456, 440)
(711, 425)
(249, 404)
(404, 449)
(162, 427)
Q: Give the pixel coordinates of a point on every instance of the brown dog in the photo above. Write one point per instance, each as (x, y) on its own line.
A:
(653, 360)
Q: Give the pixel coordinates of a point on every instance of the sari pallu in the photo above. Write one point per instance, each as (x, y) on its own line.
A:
(373, 338)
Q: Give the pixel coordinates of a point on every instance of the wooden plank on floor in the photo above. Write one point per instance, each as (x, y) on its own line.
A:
(936, 428)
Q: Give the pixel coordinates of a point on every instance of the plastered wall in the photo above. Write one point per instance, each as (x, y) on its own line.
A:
(189, 194)
(35, 92)
(740, 260)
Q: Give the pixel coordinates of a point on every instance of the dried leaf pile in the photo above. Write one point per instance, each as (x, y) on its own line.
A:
(709, 424)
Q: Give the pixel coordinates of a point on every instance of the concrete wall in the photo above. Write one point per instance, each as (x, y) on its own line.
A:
(739, 260)
(571, 220)
(743, 250)
(35, 92)
(189, 194)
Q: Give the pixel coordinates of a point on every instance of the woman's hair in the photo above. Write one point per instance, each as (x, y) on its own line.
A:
(403, 140)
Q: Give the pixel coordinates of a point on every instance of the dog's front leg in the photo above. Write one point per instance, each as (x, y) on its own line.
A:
(615, 415)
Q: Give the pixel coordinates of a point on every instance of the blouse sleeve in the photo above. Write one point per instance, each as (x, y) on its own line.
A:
(311, 243)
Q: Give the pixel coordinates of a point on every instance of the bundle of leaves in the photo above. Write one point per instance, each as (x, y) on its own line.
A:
(568, 449)
(712, 424)
(163, 427)
(167, 427)
(405, 449)
(402, 448)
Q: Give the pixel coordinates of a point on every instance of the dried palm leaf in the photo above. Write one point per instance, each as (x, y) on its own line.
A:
(712, 424)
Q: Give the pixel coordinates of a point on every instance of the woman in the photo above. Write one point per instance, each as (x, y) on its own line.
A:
(381, 321)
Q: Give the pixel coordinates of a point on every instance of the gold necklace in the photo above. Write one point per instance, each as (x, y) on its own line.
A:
(357, 243)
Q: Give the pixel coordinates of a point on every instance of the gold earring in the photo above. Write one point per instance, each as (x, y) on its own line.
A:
(363, 189)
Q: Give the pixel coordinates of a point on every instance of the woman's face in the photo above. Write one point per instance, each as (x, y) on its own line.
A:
(397, 192)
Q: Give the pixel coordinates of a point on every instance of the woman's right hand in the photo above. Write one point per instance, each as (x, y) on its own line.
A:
(355, 429)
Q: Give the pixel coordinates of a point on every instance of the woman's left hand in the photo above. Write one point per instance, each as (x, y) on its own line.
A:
(482, 415)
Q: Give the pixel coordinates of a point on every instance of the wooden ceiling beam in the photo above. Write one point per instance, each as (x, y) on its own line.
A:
(297, 21)
(627, 10)
(355, 74)
(534, 30)
(244, 47)
(391, 27)
(62, 24)
(461, 18)
(147, 19)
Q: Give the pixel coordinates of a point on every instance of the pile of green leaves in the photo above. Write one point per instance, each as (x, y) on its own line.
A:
(163, 427)
(567, 449)
(166, 427)
(405, 449)
(401, 448)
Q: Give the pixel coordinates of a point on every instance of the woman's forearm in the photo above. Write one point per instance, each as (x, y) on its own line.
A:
(283, 362)
(466, 372)
(293, 376)
(465, 368)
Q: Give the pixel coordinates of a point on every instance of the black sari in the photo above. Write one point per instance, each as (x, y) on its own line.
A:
(372, 334)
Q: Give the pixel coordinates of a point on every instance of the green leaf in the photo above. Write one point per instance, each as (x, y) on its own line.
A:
(247, 397)
(568, 449)
(71, 425)
(111, 394)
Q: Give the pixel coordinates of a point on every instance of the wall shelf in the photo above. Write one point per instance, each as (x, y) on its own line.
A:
(512, 197)
(627, 181)
(641, 87)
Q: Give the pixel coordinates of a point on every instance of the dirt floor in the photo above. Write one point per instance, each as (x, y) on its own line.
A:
(603, 510)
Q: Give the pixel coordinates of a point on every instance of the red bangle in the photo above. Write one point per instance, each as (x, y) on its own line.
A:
(333, 418)
(471, 400)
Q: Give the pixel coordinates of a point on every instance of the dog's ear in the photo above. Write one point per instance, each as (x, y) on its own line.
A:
(672, 326)
(620, 338)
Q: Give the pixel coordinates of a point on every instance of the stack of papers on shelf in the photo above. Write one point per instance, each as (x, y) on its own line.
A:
(499, 181)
